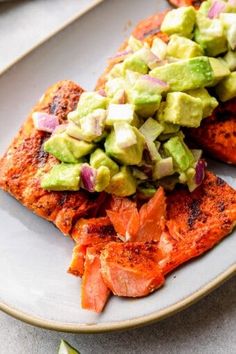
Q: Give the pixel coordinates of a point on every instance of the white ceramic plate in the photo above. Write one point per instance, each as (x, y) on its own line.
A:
(34, 256)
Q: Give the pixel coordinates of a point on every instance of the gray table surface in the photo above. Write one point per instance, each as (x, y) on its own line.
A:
(207, 327)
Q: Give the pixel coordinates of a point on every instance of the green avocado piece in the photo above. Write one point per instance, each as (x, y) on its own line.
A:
(65, 348)
(67, 149)
(135, 63)
(116, 72)
(146, 191)
(226, 89)
(62, 177)
(99, 158)
(122, 184)
(209, 102)
(134, 44)
(210, 35)
(220, 70)
(89, 102)
(102, 179)
(178, 150)
(169, 128)
(230, 59)
(131, 155)
(185, 74)
(183, 48)
(182, 109)
(151, 129)
(180, 21)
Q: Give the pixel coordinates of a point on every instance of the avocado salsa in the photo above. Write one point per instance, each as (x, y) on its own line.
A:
(127, 138)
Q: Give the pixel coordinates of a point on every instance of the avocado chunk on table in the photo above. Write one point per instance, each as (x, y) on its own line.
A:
(99, 158)
(226, 89)
(185, 74)
(66, 148)
(210, 35)
(209, 103)
(122, 184)
(230, 59)
(62, 177)
(220, 70)
(102, 179)
(180, 21)
(131, 155)
(135, 63)
(183, 48)
(183, 109)
(181, 154)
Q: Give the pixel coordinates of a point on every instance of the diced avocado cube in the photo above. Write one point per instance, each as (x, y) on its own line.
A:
(66, 148)
(159, 48)
(135, 63)
(220, 70)
(180, 21)
(229, 23)
(102, 179)
(134, 44)
(62, 177)
(151, 129)
(177, 149)
(120, 113)
(122, 184)
(205, 6)
(185, 74)
(209, 102)
(169, 128)
(210, 35)
(65, 348)
(230, 59)
(183, 48)
(226, 89)
(89, 101)
(116, 72)
(182, 109)
(90, 127)
(131, 155)
(163, 168)
(146, 191)
(99, 158)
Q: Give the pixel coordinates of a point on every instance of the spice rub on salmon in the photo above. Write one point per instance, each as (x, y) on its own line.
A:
(25, 160)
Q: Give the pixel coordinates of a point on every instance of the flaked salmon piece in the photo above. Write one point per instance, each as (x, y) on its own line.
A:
(89, 232)
(217, 133)
(77, 262)
(131, 269)
(25, 160)
(197, 221)
(152, 217)
(94, 292)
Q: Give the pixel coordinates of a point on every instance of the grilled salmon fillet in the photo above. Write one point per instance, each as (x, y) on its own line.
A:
(217, 134)
(25, 160)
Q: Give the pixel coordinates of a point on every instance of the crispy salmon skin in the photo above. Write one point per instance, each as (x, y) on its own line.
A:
(25, 160)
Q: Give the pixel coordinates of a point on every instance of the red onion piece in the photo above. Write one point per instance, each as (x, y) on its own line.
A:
(102, 93)
(88, 177)
(216, 8)
(155, 81)
(200, 171)
(45, 122)
(120, 56)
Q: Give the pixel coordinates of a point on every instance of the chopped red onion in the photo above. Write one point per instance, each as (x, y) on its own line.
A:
(216, 8)
(102, 93)
(120, 56)
(45, 122)
(155, 81)
(88, 177)
(200, 171)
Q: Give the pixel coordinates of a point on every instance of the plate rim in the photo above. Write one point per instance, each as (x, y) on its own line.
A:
(118, 325)
(51, 34)
(127, 324)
